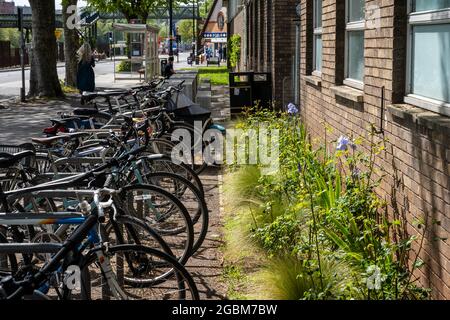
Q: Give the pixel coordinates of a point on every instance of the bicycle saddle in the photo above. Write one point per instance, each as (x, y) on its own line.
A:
(8, 160)
(85, 112)
(66, 137)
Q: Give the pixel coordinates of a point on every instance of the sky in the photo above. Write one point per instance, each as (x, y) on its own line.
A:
(81, 3)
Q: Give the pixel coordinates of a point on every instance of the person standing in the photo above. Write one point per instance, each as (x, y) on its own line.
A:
(85, 73)
(168, 70)
(220, 54)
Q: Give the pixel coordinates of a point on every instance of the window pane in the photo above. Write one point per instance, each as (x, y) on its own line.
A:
(318, 13)
(356, 55)
(431, 63)
(424, 5)
(356, 10)
(318, 53)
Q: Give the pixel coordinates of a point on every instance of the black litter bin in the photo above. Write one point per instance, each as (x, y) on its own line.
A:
(262, 89)
(240, 91)
(250, 89)
(163, 66)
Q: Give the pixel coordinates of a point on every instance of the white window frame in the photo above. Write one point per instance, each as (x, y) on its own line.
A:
(317, 32)
(349, 27)
(430, 17)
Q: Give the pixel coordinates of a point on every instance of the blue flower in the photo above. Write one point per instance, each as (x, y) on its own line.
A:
(292, 109)
(343, 143)
(300, 168)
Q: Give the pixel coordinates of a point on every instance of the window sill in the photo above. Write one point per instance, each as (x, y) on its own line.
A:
(314, 80)
(422, 117)
(348, 93)
(429, 104)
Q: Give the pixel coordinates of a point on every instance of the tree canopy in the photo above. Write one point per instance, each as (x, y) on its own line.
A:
(131, 9)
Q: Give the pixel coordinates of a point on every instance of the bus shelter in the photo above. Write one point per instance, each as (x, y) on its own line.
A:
(141, 55)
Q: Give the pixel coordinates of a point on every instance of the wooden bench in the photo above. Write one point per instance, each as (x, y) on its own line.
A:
(213, 61)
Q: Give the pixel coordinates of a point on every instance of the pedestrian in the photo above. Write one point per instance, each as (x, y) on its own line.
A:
(220, 54)
(168, 70)
(85, 73)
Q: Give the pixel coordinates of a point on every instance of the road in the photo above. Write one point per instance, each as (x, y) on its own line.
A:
(11, 81)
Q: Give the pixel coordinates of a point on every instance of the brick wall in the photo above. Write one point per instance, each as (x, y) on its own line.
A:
(418, 141)
(270, 46)
(7, 7)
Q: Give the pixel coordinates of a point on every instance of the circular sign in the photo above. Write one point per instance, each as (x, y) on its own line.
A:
(220, 21)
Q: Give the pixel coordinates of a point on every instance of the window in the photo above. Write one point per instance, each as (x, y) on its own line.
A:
(317, 49)
(354, 44)
(428, 78)
(221, 21)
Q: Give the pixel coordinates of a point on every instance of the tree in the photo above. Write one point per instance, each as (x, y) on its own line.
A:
(43, 76)
(185, 31)
(131, 9)
(71, 42)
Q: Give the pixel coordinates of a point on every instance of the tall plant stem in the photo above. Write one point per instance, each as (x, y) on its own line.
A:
(314, 226)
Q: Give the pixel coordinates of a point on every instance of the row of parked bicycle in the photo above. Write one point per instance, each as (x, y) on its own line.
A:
(98, 208)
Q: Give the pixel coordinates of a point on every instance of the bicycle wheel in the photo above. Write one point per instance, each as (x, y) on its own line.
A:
(130, 230)
(190, 196)
(136, 273)
(165, 164)
(163, 212)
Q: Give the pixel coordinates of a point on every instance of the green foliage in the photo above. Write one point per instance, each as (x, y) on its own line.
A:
(218, 76)
(289, 278)
(124, 66)
(320, 214)
(131, 9)
(185, 31)
(280, 237)
(12, 35)
(234, 50)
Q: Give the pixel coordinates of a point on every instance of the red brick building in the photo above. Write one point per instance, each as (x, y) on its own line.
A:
(339, 56)
(7, 7)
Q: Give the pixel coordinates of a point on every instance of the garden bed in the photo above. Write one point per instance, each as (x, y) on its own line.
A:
(316, 229)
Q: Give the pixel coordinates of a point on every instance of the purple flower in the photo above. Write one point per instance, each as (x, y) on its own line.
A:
(343, 143)
(292, 109)
(300, 169)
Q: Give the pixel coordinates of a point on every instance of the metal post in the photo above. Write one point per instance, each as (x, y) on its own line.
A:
(193, 31)
(297, 64)
(22, 53)
(170, 28)
(196, 35)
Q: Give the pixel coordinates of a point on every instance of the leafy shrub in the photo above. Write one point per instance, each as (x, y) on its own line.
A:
(124, 66)
(234, 52)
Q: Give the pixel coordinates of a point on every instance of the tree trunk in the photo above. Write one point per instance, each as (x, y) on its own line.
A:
(45, 81)
(71, 44)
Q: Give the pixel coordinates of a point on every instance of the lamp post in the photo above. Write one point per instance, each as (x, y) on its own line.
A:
(170, 28)
(22, 52)
(196, 33)
(193, 31)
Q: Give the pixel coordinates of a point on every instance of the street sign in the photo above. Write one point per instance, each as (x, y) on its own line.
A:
(58, 34)
(214, 35)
